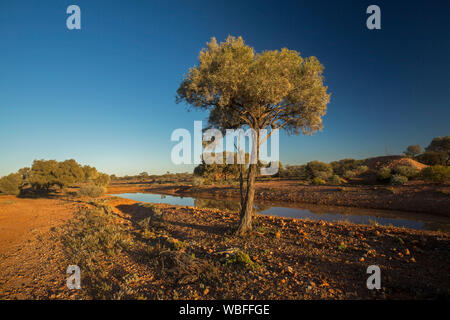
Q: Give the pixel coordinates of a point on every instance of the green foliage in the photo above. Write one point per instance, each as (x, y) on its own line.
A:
(334, 180)
(398, 180)
(221, 172)
(102, 180)
(242, 258)
(318, 181)
(432, 158)
(91, 190)
(242, 88)
(90, 173)
(349, 174)
(294, 171)
(407, 171)
(11, 184)
(362, 169)
(341, 166)
(234, 82)
(441, 145)
(438, 174)
(318, 169)
(342, 247)
(384, 174)
(413, 150)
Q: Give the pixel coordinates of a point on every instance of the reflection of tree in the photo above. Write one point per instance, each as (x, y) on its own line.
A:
(230, 205)
(261, 207)
(163, 196)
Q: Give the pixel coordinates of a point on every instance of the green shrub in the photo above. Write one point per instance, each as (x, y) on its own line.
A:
(334, 180)
(398, 180)
(384, 174)
(242, 258)
(318, 181)
(438, 174)
(362, 169)
(92, 191)
(102, 180)
(339, 167)
(349, 174)
(10, 184)
(318, 169)
(407, 171)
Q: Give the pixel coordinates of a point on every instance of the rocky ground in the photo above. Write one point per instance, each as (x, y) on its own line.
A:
(128, 250)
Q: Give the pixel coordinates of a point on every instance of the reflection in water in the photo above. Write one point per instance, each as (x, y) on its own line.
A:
(306, 211)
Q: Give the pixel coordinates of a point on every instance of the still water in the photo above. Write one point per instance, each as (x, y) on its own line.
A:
(306, 211)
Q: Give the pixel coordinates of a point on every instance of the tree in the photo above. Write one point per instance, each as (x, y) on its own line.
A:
(11, 184)
(90, 173)
(241, 88)
(102, 180)
(432, 158)
(440, 145)
(413, 150)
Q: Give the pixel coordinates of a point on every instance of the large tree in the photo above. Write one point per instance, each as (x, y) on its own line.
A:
(242, 88)
(441, 145)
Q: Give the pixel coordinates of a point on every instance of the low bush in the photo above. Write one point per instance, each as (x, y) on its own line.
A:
(437, 174)
(318, 181)
(384, 173)
(398, 180)
(362, 169)
(10, 184)
(242, 258)
(349, 174)
(334, 180)
(407, 171)
(92, 191)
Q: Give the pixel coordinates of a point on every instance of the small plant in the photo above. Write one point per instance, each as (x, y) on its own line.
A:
(318, 181)
(349, 174)
(437, 174)
(242, 258)
(398, 180)
(362, 169)
(384, 174)
(342, 247)
(335, 180)
(92, 191)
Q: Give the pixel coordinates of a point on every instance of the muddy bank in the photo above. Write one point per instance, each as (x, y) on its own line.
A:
(427, 199)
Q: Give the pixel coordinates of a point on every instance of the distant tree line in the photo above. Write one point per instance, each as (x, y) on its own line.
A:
(437, 152)
(168, 177)
(46, 175)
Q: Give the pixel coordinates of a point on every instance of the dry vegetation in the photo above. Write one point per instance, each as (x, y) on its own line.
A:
(129, 250)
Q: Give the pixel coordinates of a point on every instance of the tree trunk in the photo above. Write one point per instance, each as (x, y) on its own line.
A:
(245, 224)
(247, 209)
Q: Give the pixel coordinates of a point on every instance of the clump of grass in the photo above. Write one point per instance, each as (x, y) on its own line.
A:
(373, 223)
(243, 259)
(92, 239)
(342, 247)
(92, 191)
(8, 202)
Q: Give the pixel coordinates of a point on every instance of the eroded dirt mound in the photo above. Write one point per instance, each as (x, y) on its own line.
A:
(393, 161)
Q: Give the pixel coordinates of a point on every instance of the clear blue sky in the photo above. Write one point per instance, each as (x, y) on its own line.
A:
(105, 95)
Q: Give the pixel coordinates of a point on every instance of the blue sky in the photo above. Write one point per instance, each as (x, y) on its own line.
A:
(105, 95)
